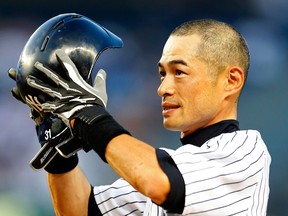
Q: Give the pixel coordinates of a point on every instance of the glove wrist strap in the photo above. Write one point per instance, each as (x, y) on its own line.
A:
(96, 127)
(60, 165)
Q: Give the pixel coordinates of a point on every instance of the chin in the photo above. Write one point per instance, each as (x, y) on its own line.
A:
(171, 127)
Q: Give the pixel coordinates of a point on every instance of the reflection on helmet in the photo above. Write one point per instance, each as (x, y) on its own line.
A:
(80, 37)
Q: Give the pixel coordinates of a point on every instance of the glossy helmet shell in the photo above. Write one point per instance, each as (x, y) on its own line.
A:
(80, 37)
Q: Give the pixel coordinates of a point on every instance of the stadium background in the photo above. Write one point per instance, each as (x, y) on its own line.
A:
(132, 83)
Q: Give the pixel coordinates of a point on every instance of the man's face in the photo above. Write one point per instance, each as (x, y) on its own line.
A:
(191, 98)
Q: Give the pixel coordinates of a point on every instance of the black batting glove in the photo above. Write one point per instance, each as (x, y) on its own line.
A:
(12, 74)
(73, 98)
(70, 94)
(52, 133)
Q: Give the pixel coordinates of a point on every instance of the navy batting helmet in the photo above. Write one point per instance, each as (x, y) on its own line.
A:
(80, 37)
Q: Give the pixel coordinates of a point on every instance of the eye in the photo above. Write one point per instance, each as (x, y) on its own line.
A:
(179, 72)
(162, 74)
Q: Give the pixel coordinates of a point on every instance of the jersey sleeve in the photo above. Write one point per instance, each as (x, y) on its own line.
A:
(227, 175)
(119, 198)
(176, 198)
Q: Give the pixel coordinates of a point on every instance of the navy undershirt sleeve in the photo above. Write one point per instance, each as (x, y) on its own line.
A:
(93, 209)
(176, 199)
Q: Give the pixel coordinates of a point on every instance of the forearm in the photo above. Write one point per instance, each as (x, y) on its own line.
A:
(69, 192)
(131, 158)
(137, 163)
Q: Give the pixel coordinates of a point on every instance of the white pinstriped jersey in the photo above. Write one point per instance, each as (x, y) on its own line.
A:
(227, 175)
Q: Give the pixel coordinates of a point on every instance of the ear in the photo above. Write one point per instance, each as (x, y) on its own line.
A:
(235, 79)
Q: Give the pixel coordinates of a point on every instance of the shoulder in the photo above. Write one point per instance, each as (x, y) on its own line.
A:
(225, 144)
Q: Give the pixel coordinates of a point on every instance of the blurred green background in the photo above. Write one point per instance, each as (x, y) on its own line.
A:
(132, 83)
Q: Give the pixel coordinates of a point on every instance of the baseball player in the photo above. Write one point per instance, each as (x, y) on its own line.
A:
(218, 170)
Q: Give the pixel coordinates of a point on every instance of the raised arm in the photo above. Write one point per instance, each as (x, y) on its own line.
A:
(136, 162)
(77, 103)
(70, 192)
(70, 189)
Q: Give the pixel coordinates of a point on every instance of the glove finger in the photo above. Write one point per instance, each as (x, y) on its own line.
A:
(12, 73)
(51, 75)
(100, 79)
(100, 85)
(68, 65)
(47, 106)
(16, 94)
(73, 73)
(45, 88)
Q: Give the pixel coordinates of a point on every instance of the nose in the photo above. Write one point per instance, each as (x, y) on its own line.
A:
(166, 87)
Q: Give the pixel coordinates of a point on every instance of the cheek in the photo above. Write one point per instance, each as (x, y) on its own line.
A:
(200, 101)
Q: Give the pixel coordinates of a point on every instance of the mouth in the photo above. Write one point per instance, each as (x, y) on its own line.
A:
(169, 107)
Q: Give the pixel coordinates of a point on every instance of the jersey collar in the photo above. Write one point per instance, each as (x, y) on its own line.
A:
(201, 136)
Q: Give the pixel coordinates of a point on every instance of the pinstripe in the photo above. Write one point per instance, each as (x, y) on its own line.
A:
(222, 175)
(110, 188)
(212, 209)
(121, 206)
(118, 196)
(206, 153)
(241, 159)
(230, 183)
(228, 175)
(132, 212)
(237, 213)
(222, 195)
(258, 198)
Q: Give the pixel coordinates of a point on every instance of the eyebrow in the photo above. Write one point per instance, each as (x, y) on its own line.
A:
(174, 62)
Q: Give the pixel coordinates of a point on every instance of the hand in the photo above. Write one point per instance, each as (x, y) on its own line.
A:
(52, 133)
(72, 93)
(73, 98)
